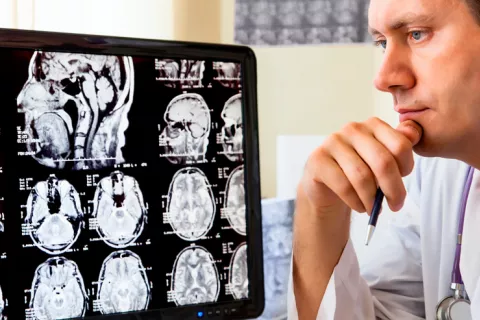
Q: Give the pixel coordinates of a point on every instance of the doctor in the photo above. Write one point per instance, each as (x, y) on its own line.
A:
(431, 67)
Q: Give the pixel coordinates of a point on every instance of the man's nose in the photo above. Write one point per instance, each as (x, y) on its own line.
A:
(395, 72)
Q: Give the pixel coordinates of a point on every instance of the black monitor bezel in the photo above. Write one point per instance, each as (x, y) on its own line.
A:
(98, 44)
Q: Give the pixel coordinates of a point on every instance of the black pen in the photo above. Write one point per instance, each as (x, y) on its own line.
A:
(377, 205)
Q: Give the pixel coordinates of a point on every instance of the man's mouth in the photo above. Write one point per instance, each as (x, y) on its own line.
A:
(410, 114)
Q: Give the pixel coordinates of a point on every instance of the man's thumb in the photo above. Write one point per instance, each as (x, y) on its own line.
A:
(412, 130)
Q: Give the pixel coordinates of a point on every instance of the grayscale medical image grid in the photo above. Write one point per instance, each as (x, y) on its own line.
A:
(301, 22)
(130, 184)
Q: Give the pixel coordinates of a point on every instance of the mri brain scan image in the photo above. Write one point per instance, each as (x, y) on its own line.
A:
(76, 108)
(123, 283)
(232, 130)
(179, 73)
(277, 222)
(228, 74)
(185, 137)
(191, 204)
(54, 215)
(234, 204)
(119, 209)
(195, 277)
(58, 290)
(277, 249)
(238, 273)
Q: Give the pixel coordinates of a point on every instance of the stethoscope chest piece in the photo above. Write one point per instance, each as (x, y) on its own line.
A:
(452, 308)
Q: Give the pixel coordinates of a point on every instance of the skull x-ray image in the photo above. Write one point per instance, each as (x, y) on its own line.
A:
(76, 108)
(228, 74)
(195, 277)
(119, 209)
(234, 204)
(191, 204)
(58, 290)
(238, 273)
(180, 73)
(185, 136)
(232, 130)
(54, 215)
(277, 227)
(123, 283)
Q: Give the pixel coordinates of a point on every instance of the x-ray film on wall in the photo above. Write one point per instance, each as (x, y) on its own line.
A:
(301, 22)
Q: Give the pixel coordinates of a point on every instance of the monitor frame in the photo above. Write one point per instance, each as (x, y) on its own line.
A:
(99, 44)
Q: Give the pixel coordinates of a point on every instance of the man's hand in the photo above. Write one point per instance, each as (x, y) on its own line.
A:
(340, 175)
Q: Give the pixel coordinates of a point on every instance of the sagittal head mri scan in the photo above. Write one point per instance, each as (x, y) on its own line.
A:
(185, 137)
(191, 204)
(58, 290)
(76, 108)
(119, 209)
(232, 130)
(123, 283)
(54, 215)
(195, 277)
(228, 74)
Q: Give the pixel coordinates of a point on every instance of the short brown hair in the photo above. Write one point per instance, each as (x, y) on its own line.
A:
(474, 6)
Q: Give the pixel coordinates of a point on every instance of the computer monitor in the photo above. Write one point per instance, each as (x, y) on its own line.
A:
(129, 179)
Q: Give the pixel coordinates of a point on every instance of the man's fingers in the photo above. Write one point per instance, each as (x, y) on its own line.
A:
(412, 130)
(382, 163)
(398, 142)
(335, 183)
(357, 172)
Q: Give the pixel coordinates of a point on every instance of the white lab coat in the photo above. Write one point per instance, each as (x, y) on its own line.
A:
(407, 267)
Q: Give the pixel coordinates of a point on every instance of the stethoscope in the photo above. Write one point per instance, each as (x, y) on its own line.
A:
(457, 306)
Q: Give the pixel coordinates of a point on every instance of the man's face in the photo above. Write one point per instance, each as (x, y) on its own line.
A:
(431, 62)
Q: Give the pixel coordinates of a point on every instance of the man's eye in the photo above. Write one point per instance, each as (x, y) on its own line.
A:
(382, 43)
(416, 35)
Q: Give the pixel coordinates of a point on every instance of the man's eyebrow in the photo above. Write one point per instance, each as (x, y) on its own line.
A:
(401, 22)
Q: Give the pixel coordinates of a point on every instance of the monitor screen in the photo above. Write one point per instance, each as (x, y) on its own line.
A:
(123, 187)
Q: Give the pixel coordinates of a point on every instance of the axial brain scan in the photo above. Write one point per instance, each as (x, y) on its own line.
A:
(54, 215)
(185, 137)
(235, 201)
(238, 274)
(58, 290)
(119, 209)
(195, 277)
(76, 108)
(123, 283)
(191, 204)
(232, 131)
